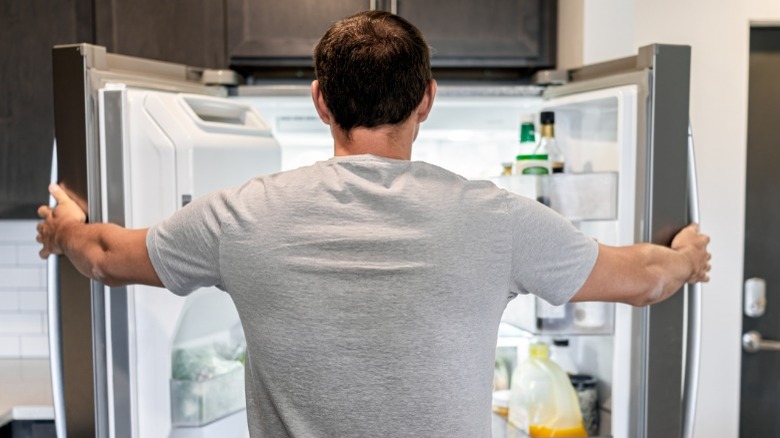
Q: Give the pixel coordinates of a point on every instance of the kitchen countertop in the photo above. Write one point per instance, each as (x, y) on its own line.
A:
(25, 392)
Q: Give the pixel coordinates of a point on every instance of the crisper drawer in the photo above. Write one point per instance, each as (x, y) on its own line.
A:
(196, 403)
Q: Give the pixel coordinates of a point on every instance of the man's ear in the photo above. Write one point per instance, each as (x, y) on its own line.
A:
(319, 103)
(424, 108)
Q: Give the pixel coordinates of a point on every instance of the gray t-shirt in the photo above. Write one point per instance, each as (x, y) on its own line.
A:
(370, 290)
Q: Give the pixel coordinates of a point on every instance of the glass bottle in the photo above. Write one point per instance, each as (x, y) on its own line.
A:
(548, 145)
(560, 353)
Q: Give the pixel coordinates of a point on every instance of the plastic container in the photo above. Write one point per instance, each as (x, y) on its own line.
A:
(560, 353)
(542, 401)
(588, 396)
(501, 402)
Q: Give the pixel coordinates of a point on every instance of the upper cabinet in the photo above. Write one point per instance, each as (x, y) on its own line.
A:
(272, 33)
(188, 32)
(478, 37)
(462, 33)
(485, 33)
(28, 30)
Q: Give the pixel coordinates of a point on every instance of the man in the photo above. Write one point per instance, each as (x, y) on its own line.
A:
(370, 287)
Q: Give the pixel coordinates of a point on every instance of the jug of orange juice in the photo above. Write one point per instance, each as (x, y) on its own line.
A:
(542, 402)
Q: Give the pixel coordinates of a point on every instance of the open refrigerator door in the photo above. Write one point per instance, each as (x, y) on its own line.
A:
(622, 126)
(150, 138)
(184, 355)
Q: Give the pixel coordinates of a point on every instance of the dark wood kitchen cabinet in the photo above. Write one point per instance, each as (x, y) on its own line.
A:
(272, 33)
(28, 30)
(188, 32)
(485, 33)
(185, 31)
(463, 33)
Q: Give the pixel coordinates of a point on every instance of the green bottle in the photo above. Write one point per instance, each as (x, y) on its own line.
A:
(527, 135)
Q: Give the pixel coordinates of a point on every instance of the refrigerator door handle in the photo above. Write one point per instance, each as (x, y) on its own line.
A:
(693, 340)
(53, 319)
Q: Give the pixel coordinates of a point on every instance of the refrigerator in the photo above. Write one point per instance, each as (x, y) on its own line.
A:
(138, 139)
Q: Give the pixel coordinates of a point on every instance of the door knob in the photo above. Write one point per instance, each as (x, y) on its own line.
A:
(752, 343)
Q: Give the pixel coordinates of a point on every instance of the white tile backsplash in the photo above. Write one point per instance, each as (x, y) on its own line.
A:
(23, 328)
(35, 346)
(22, 231)
(7, 255)
(28, 255)
(10, 346)
(9, 301)
(24, 277)
(21, 323)
(29, 300)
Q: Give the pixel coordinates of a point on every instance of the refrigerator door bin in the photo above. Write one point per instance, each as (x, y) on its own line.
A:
(538, 317)
(576, 196)
(196, 403)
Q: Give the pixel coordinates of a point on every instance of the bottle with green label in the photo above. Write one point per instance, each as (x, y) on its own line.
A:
(537, 166)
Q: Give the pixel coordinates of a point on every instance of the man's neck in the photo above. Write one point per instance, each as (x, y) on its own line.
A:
(389, 141)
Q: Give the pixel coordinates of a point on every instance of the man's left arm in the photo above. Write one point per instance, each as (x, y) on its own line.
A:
(106, 252)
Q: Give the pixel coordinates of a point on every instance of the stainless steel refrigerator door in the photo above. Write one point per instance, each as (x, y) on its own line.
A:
(79, 71)
(81, 312)
(662, 73)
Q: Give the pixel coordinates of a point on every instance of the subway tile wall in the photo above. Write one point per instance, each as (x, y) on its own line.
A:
(23, 331)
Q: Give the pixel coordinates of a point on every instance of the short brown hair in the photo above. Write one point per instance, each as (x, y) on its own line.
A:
(372, 68)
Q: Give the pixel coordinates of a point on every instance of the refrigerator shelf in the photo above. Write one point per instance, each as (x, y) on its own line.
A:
(576, 196)
(539, 318)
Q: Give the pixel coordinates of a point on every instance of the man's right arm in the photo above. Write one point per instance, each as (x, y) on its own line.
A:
(644, 273)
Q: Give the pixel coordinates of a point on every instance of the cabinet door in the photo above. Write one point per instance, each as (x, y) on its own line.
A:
(485, 33)
(281, 33)
(190, 32)
(28, 30)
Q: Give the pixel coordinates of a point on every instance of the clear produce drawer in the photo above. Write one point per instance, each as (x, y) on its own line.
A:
(196, 403)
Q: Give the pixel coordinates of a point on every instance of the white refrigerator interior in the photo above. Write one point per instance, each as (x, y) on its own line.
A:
(177, 148)
(472, 136)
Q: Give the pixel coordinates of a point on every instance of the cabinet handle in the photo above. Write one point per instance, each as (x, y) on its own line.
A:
(372, 5)
(394, 7)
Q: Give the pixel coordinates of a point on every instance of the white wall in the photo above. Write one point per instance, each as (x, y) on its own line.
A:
(608, 30)
(23, 331)
(594, 31)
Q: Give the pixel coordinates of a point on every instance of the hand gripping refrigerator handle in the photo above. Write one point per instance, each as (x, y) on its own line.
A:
(53, 307)
(693, 341)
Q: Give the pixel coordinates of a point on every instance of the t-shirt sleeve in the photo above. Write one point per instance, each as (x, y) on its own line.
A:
(550, 257)
(184, 249)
